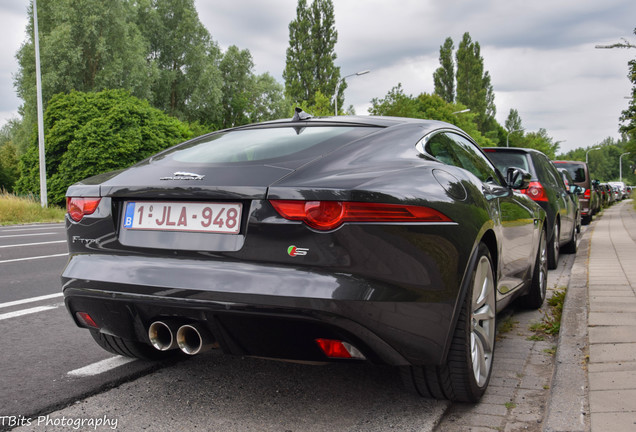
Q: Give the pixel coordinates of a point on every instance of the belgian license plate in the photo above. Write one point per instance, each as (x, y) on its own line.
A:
(183, 216)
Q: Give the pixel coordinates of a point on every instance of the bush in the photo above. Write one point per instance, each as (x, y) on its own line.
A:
(91, 133)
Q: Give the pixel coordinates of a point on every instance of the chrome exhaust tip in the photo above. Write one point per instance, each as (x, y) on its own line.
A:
(161, 335)
(194, 339)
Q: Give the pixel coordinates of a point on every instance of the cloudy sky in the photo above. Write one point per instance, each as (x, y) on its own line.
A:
(540, 53)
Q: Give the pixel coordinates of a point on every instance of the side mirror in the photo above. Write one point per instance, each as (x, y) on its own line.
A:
(516, 178)
(577, 190)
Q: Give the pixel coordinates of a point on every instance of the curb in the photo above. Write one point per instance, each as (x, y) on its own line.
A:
(568, 404)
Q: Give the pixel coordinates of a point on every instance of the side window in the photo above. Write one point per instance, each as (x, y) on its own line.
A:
(550, 174)
(454, 149)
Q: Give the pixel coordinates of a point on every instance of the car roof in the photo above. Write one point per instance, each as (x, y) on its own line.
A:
(514, 149)
(379, 121)
(570, 162)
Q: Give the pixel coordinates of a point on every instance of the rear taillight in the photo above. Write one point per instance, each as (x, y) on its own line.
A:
(77, 207)
(587, 194)
(328, 215)
(536, 192)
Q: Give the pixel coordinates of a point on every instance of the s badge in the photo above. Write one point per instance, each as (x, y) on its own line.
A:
(297, 251)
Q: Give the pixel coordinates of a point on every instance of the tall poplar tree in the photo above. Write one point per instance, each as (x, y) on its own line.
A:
(238, 84)
(474, 88)
(444, 76)
(310, 58)
(513, 122)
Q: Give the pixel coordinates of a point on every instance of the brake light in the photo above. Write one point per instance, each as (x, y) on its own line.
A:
(328, 215)
(587, 194)
(78, 207)
(536, 192)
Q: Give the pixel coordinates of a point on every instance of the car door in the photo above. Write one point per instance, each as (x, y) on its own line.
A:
(513, 214)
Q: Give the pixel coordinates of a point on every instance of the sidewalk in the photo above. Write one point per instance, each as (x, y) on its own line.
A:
(598, 332)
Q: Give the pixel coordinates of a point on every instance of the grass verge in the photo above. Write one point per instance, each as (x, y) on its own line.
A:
(17, 210)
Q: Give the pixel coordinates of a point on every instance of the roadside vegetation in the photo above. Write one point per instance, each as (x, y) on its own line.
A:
(17, 210)
(551, 321)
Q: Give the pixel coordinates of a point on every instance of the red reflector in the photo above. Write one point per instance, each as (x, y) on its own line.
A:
(536, 192)
(78, 207)
(339, 349)
(327, 215)
(86, 319)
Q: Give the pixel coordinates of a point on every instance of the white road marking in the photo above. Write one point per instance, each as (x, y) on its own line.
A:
(32, 227)
(32, 258)
(27, 235)
(28, 311)
(33, 244)
(30, 300)
(101, 366)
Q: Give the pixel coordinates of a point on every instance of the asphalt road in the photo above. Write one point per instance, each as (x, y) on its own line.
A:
(47, 364)
(43, 352)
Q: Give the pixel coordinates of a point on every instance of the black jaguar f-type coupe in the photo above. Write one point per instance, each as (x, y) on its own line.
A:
(388, 240)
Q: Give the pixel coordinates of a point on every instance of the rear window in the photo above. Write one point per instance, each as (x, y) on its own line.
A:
(505, 160)
(266, 144)
(577, 171)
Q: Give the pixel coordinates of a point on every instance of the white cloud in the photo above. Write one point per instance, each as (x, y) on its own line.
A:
(540, 54)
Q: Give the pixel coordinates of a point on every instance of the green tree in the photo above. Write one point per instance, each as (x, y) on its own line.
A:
(268, 99)
(513, 129)
(9, 172)
(311, 54)
(238, 86)
(85, 45)
(513, 122)
(184, 58)
(92, 133)
(474, 88)
(539, 140)
(628, 116)
(444, 76)
(426, 106)
(395, 104)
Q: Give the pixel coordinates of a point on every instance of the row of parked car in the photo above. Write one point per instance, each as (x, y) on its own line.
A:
(564, 189)
(597, 195)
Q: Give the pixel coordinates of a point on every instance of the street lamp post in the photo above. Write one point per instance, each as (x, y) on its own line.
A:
(38, 86)
(593, 148)
(620, 166)
(508, 134)
(341, 80)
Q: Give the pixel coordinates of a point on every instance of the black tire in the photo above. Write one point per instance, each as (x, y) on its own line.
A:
(538, 287)
(461, 379)
(585, 220)
(572, 246)
(554, 247)
(128, 348)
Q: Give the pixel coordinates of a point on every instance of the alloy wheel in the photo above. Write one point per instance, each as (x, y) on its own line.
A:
(482, 332)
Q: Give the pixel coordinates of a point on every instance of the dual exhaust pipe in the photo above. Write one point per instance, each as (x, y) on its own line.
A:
(190, 338)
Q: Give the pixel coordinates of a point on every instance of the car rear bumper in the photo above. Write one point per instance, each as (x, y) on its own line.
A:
(261, 310)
